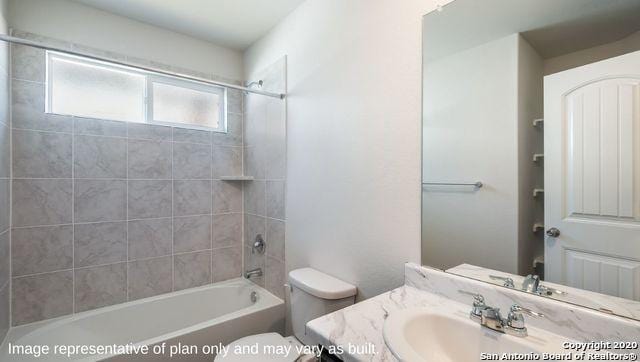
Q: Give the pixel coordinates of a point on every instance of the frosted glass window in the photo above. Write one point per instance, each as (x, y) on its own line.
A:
(187, 105)
(86, 88)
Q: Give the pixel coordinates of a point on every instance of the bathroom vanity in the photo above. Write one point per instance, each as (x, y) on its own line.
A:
(429, 317)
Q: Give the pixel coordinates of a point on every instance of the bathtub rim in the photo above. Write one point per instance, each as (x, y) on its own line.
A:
(16, 333)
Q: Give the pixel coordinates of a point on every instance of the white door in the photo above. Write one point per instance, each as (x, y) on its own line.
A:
(592, 176)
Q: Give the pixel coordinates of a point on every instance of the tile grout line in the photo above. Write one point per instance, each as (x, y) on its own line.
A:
(115, 179)
(136, 138)
(266, 198)
(10, 130)
(111, 263)
(243, 265)
(73, 220)
(5, 285)
(173, 272)
(211, 165)
(28, 80)
(149, 139)
(124, 221)
(44, 273)
(126, 276)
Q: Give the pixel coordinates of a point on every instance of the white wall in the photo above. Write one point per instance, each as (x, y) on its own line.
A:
(591, 55)
(470, 134)
(78, 23)
(353, 153)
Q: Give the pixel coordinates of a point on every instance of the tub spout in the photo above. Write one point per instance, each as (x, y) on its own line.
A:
(257, 272)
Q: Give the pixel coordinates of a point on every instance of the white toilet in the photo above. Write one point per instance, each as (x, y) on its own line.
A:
(313, 294)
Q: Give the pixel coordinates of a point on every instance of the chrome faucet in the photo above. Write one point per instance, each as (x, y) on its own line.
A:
(507, 282)
(531, 284)
(491, 318)
(257, 272)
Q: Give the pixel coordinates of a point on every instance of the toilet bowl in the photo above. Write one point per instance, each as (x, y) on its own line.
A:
(313, 294)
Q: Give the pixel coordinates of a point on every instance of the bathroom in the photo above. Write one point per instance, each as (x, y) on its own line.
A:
(301, 180)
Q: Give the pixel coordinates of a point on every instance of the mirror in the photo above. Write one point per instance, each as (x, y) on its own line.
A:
(531, 147)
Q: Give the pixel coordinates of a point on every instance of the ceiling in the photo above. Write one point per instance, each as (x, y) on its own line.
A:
(552, 27)
(234, 24)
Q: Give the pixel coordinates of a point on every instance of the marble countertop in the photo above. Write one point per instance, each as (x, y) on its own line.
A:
(358, 329)
(361, 324)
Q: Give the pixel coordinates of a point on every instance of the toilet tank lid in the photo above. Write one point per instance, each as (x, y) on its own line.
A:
(320, 284)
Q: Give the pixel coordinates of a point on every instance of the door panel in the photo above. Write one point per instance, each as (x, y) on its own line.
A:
(592, 189)
(600, 118)
(604, 274)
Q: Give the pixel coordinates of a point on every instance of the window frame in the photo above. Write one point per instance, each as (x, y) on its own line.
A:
(50, 57)
(186, 84)
(147, 100)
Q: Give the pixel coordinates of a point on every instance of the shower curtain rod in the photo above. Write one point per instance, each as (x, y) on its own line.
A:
(15, 40)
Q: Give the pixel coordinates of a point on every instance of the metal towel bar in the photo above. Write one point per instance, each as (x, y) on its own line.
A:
(476, 184)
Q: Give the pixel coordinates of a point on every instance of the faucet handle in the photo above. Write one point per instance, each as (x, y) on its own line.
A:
(544, 290)
(478, 305)
(508, 282)
(516, 308)
(515, 320)
(477, 297)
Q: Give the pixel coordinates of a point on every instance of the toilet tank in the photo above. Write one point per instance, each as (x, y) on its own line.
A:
(314, 294)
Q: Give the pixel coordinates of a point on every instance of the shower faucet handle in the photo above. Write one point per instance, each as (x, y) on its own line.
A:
(259, 245)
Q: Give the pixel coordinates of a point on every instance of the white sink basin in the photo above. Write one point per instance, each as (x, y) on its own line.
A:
(425, 335)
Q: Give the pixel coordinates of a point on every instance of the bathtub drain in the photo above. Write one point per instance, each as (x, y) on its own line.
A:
(254, 297)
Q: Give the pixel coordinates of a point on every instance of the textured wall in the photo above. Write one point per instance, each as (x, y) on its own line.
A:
(106, 212)
(353, 131)
(265, 160)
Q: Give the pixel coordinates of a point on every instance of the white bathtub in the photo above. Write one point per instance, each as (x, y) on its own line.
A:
(209, 315)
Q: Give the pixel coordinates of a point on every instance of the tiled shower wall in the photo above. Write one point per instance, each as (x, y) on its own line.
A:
(5, 170)
(265, 160)
(105, 212)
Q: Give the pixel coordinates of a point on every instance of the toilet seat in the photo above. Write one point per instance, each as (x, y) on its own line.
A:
(270, 339)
